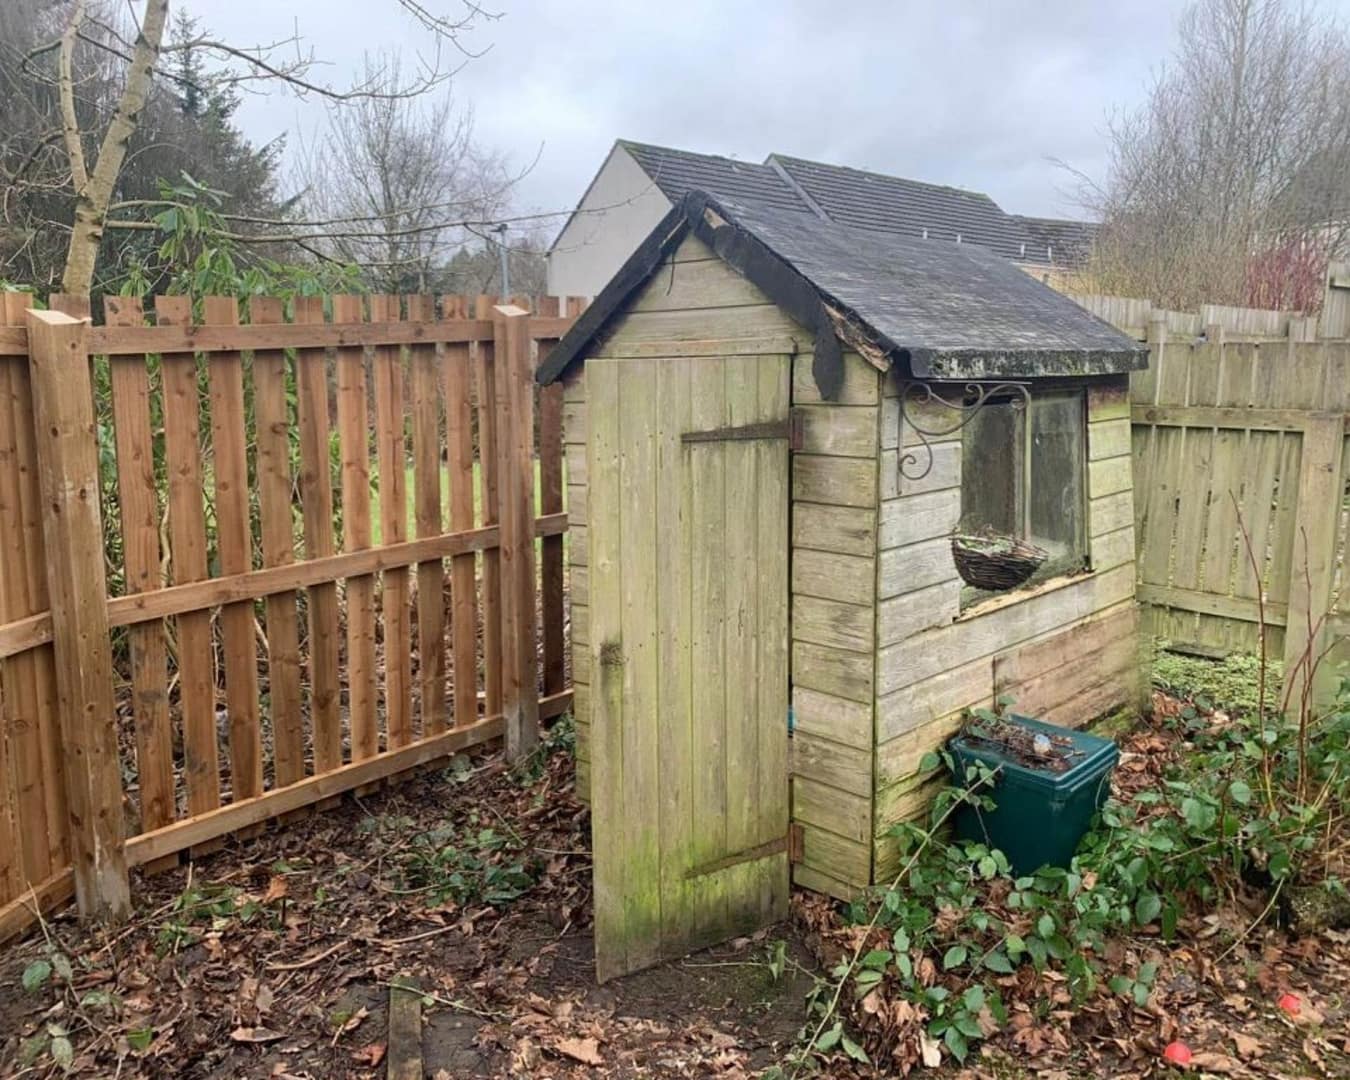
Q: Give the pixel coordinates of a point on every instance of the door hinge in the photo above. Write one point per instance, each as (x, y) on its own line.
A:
(789, 429)
(796, 840)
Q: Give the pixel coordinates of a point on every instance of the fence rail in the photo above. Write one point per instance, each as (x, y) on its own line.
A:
(258, 619)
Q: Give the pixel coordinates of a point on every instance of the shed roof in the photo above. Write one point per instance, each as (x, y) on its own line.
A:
(938, 310)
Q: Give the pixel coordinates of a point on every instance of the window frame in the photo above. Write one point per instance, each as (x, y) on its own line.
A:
(1078, 558)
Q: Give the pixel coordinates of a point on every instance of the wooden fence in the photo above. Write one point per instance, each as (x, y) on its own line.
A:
(1248, 434)
(216, 608)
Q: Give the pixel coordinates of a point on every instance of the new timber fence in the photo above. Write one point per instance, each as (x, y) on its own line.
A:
(1240, 421)
(218, 602)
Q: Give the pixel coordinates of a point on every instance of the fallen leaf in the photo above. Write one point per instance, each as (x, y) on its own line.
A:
(255, 1035)
(586, 1051)
(276, 889)
(370, 1055)
(931, 1050)
(1206, 1061)
(1246, 1046)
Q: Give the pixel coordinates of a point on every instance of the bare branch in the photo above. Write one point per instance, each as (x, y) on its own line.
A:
(70, 124)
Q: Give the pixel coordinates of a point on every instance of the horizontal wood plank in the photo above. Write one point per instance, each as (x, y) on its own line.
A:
(819, 712)
(831, 622)
(849, 578)
(919, 517)
(844, 530)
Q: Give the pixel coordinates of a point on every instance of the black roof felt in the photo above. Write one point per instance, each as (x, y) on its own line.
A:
(868, 200)
(939, 310)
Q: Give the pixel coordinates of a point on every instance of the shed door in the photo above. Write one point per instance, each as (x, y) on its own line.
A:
(689, 649)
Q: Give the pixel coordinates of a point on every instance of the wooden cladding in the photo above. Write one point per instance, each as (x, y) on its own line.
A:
(279, 623)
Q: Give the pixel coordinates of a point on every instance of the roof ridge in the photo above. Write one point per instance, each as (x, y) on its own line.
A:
(628, 144)
(887, 176)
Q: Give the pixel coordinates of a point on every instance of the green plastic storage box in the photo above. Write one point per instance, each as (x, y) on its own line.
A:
(1040, 814)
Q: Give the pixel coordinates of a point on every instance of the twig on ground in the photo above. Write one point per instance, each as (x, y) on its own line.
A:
(300, 965)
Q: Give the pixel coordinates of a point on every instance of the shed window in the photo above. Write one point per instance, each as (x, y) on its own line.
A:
(1022, 474)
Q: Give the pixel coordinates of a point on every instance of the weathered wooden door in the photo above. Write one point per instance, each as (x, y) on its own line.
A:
(688, 518)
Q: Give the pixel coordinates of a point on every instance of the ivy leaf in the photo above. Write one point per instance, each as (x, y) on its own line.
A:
(853, 1050)
(1147, 908)
(955, 957)
(62, 1052)
(35, 974)
(1240, 792)
(830, 1039)
(956, 1043)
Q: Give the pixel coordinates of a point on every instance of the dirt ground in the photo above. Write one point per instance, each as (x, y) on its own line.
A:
(274, 957)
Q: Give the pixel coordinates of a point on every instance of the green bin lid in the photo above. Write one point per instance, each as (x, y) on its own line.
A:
(1091, 755)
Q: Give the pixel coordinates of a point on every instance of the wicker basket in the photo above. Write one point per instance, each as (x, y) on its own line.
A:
(995, 562)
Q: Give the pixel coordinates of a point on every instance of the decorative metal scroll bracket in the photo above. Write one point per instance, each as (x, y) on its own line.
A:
(974, 397)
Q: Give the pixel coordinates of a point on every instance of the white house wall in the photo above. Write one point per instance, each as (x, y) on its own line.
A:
(620, 208)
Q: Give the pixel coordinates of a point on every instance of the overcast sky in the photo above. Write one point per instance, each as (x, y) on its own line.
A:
(976, 93)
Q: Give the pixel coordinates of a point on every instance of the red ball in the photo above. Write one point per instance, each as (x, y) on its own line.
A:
(1291, 1004)
(1178, 1053)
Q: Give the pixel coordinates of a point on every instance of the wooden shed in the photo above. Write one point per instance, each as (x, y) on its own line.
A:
(774, 424)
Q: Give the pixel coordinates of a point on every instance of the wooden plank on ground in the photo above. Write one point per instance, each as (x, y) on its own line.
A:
(405, 1031)
(229, 438)
(426, 422)
(187, 544)
(354, 434)
(274, 426)
(316, 502)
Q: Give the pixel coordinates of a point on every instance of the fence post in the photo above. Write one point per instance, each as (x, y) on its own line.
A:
(63, 417)
(1314, 557)
(515, 486)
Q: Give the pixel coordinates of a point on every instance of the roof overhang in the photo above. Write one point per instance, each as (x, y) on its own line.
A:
(833, 323)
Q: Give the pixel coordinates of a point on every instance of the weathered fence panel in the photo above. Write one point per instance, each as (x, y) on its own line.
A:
(1242, 435)
(266, 577)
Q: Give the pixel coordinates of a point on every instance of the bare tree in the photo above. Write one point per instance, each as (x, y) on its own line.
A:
(1240, 149)
(409, 168)
(95, 147)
